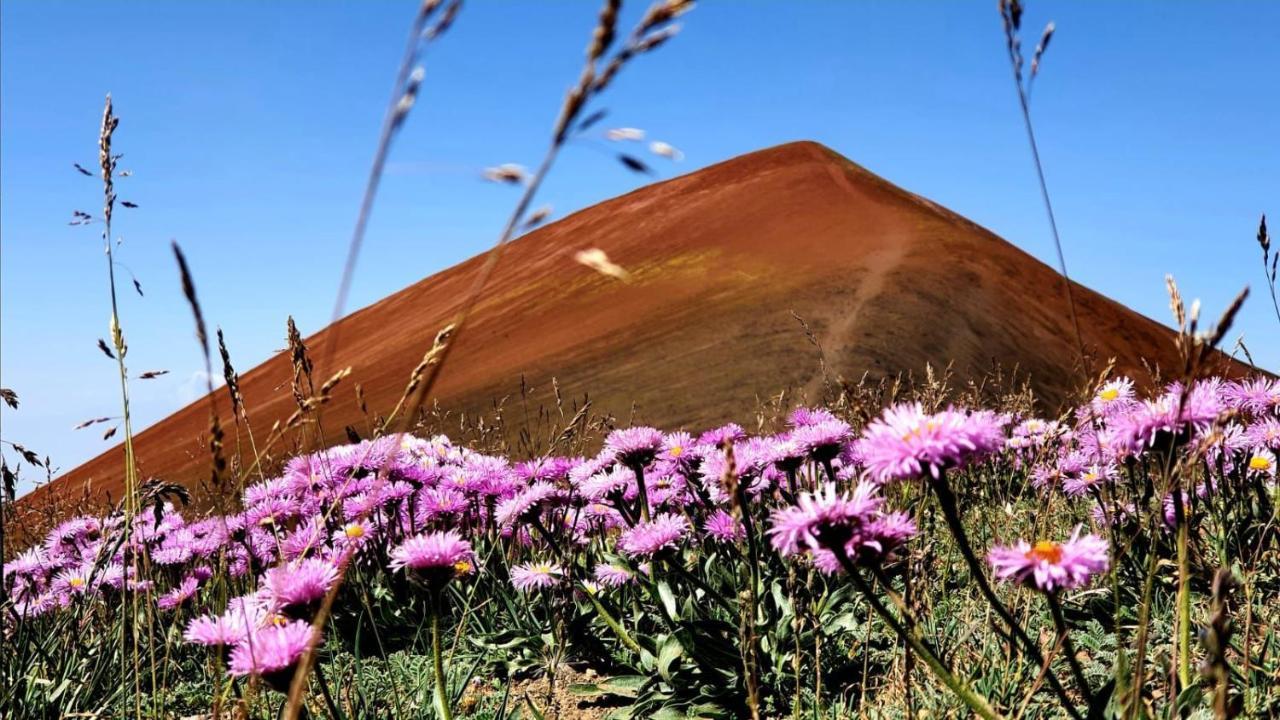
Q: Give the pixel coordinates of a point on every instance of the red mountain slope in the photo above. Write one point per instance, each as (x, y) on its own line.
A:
(721, 258)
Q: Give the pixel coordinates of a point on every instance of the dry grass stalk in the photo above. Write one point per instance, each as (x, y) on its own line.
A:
(1011, 17)
(648, 35)
(404, 94)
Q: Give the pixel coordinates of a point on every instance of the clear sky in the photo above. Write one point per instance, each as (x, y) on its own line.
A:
(249, 128)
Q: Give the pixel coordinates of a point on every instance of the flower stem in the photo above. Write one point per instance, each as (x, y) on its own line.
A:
(1184, 599)
(324, 690)
(1060, 622)
(642, 492)
(947, 500)
(437, 660)
(613, 624)
(957, 685)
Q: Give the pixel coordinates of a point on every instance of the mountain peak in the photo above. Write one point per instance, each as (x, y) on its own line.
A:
(737, 269)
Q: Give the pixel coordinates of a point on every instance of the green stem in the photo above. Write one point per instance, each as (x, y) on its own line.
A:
(642, 492)
(951, 514)
(613, 623)
(437, 661)
(1184, 600)
(1060, 622)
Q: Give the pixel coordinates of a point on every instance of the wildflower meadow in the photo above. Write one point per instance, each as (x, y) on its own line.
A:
(1117, 561)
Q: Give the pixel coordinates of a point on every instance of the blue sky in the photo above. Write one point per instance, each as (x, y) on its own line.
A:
(249, 128)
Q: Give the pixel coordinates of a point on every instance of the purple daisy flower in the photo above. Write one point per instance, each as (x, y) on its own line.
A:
(635, 446)
(242, 615)
(660, 534)
(907, 442)
(678, 448)
(723, 435)
(821, 440)
(803, 416)
(1050, 566)
(787, 454)
(618, 481)
(180, 595)
(271, 652)
(1115, 396)
(435, 558)
(1265, 433)
(722, 527)
(296, 589)
(1089, 478)
(1259, 395)
(873, 542)
(527, 505)
(307, 539)
(536, 576)
(823, 519)
(612, 575)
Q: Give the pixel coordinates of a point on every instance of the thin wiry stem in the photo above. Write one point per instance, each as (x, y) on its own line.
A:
(1068, 647)
(956, 684)
(652, 31)
(951, 513)
(107, 161)
(1015, 60)
(403, 94)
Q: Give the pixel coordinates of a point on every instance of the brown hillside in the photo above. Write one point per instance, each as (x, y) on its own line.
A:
(721, 257)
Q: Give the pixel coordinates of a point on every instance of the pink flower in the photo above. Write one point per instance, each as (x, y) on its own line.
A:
(823, 518)
(527, 505)
(636, 446)
(435, 558)
(185, 591)
(535, 576)
(271, 652)
(1051, 566)
(662, 533)
(612, 575)
(907, 442)
(723, 527)
(825, 522)
(296, 589)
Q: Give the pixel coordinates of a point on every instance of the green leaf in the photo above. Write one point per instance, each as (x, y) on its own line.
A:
(624, 685)
(668, 599)
(586, 690)
(671, 651)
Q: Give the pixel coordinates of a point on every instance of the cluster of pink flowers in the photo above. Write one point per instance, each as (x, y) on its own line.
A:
(413, 507)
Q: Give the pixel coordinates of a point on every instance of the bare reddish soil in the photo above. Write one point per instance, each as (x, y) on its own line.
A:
(721, 258)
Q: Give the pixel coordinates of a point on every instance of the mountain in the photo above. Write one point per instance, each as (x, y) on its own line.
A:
(722, 260)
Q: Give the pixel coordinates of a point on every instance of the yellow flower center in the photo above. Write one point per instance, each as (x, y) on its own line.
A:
(541, 569)
(1109, 394)
(76, 582)
(1047, 551)
(677, 451)
(462, 567)
(354, 530)
(1258, 462)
